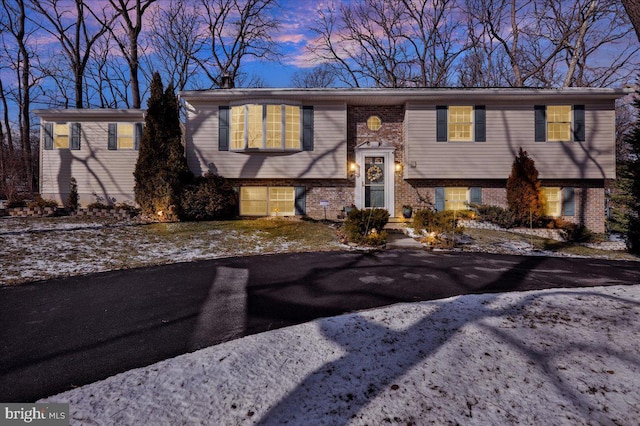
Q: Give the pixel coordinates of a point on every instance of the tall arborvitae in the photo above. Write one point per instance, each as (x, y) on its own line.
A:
(161, 169)
(523, 190)
(632, 170)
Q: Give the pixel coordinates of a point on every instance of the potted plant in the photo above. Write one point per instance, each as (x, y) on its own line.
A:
(347, 209)
(407, 211)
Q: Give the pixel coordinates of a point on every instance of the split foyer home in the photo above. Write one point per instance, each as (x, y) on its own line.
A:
(314, 151)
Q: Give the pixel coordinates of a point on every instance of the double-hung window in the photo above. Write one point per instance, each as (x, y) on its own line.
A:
(460, 123)
(62, 135)
(124, 135)
(559, 201)
(553, 197)
(559, 123)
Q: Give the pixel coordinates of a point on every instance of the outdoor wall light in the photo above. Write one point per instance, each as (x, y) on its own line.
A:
(354, 170)
(398, 166)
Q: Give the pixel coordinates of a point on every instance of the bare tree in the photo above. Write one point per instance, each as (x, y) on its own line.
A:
(107, 75)
(633, 10)
(437, 38)
(130, 13)
(235, 30)
(364, 43)
(391, 43)
(6, 139)
(552, 43)
(16, 48)
(320, 76)
(76, 39)
(173, 34)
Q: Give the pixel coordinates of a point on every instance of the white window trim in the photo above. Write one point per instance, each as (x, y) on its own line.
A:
(547, 122)
(133, 135)
(269, 211)
(466, 201)
(473, 124)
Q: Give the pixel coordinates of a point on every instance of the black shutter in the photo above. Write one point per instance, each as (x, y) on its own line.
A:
(480, 123)
(540, 123)
(578, 123)
(568, 202)
(439, 199)
(301, 200)
(223, 128)
(307, 128)
(112, 138)
(475, 195)
(441, 123)
(137, 135)
(48, 135)
(75, 136)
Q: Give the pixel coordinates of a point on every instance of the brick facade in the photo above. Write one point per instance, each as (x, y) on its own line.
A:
(589, 195)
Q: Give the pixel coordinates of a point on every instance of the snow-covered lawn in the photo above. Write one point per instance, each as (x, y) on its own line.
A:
(37, 249)
(548, 357)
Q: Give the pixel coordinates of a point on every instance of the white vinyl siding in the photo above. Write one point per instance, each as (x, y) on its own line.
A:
(326, 161)
(100, 173)
(509, 126)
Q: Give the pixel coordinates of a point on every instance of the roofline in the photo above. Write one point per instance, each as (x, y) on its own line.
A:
(403, 95)
(89, 114)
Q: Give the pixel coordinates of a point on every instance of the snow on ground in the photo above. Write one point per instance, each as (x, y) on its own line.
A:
(547, 357)
(37, 249)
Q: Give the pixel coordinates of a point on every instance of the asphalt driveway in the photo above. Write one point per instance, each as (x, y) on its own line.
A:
(59, 334)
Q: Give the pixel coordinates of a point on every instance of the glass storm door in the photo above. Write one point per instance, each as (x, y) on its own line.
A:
(374, 182)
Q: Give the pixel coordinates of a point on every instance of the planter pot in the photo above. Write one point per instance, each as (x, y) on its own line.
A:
(406, 213)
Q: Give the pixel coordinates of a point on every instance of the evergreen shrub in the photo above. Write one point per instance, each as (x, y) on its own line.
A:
(439, 222)
(524, 196)
(366, 226)
(496, 215)
(209, 197)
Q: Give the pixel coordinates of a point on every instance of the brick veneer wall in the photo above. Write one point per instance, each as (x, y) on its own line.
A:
(589, 195)
(391, 129)
(338, 192)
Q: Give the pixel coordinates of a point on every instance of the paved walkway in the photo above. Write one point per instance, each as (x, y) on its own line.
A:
(398, 239)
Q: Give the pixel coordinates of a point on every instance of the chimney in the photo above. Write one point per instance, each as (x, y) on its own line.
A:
(227, 82)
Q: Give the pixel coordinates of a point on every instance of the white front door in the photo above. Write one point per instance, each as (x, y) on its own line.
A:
(375, 180)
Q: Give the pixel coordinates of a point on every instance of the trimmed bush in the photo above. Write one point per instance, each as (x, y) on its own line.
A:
(439, 222)
(39, 202)
(209, 197)
(496, 215)
(366, 226)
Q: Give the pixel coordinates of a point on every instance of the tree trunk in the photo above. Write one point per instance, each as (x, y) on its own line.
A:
(25, 122)
(633, 10)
